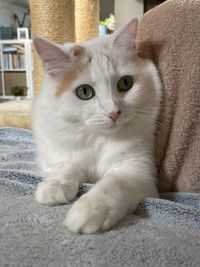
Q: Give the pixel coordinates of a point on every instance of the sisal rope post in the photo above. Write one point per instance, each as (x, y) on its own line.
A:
(86, 19)
(53, 20)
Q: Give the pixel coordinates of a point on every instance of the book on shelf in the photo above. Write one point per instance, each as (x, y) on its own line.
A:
(13, 57)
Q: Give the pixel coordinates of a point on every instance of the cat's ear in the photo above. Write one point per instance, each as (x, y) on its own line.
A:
(126, 38)
(52, 55)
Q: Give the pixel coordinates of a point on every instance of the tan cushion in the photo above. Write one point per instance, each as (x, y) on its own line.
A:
(170, 35)
(16, 113)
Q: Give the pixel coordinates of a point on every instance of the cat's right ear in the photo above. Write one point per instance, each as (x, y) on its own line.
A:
(125, 40)
(52, 55)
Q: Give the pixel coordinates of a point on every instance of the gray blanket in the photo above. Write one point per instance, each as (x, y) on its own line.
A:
(163, 232)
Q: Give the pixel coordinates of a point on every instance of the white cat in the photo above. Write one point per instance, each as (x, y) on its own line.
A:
(94, 121)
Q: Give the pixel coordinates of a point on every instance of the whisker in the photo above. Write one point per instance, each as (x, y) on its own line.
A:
(160, 128)
(145, 111)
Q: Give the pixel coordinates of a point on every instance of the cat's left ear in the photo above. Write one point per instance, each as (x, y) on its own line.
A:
(126, 38)
(54, 59)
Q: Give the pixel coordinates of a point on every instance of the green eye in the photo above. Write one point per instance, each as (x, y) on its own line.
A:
(85, 92)
(125, 83)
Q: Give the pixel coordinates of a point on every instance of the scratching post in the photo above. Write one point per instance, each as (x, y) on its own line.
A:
(53, 20)
(86, 19)
(62, 21)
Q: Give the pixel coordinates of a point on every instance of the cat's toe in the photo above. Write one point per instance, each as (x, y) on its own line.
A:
(56, 192)
(88, 216)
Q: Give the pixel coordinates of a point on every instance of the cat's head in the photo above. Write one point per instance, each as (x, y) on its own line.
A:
(102, 83)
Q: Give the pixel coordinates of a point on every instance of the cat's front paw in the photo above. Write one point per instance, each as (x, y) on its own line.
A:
(56, 192)
(89, 215)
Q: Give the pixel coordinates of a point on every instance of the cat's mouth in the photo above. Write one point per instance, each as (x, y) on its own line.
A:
(106, 124)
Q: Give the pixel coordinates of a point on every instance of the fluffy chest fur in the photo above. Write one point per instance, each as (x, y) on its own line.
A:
(95, 153)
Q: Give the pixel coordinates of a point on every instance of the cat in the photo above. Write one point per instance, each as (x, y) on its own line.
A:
(94, 121)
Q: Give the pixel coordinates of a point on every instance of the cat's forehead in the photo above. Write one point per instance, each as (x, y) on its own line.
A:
(99, 48)
(101, 53)
(92, 59)
(98, 44)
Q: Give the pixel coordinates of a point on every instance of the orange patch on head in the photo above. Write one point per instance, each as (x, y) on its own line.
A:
(66, 81)
(78, 51)
(80, 63)
(82, 55)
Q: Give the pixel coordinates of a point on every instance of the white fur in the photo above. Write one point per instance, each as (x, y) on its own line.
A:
(78, 143)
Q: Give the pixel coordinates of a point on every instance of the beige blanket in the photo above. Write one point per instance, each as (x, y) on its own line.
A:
(170, 35)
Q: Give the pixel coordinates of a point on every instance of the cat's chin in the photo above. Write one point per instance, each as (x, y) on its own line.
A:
(107, 129)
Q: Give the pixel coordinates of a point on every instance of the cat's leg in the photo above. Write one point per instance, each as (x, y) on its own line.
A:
(61, 184)
(111, 199)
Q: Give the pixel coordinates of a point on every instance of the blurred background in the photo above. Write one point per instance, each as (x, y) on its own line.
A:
(58, 20)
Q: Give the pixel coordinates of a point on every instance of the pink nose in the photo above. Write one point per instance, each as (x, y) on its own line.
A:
(114, 115)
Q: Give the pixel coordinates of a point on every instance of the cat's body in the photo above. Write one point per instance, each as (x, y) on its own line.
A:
(107, 139)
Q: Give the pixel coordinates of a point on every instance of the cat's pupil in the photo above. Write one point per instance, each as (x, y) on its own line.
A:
(125, 82)
(84, 90)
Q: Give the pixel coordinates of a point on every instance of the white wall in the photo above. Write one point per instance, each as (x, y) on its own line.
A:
(7, 9)
(125, 10)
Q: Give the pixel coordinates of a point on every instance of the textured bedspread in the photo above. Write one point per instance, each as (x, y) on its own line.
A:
(163, 232)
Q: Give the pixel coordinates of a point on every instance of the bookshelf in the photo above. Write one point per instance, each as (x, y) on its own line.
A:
(16, 67)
